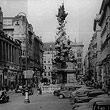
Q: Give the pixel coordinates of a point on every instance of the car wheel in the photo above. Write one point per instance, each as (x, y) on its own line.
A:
(61, 96)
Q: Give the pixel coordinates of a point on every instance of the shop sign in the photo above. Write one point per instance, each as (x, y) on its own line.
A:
(7, 22)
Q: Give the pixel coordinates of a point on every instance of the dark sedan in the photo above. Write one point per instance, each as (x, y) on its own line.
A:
(3, 97)
(89, 96)
(56, 92)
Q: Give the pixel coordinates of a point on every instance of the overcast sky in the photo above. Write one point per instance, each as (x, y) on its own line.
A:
(42, 15)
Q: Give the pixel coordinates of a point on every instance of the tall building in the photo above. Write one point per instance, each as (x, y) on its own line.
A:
(99, 48)
(10, 58)
(38, 57)
(19, 28)
(1, 20)
(31, 45)
(48, 56)
(97, 30)
(77, 49)
(105, 41)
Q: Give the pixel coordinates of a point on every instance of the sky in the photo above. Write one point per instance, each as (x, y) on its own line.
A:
(42, 15)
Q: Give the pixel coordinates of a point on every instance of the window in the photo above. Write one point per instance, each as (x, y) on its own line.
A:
(23, 42)
(78, 54)
(23, 52)
(44, 61)
(79, 60)
(79, 65)
(49, 73)
(45, 74)
(48, 61)
(44, 67)
(48, 67)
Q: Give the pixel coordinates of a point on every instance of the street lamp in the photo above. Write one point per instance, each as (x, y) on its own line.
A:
(26, 91)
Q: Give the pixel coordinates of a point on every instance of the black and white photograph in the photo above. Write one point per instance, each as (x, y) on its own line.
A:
(54, 54)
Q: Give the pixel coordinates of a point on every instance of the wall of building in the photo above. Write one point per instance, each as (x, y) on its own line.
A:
(48, 57)
(77, 48)
(1, 20)
(19, 28)
(37, 55)
(102, 31)
(10, 60)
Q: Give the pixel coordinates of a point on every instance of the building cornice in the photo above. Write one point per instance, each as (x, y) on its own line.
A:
(103, 9)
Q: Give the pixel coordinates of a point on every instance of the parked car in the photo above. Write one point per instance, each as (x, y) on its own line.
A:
(79, 92)
(89, 96)
(76, 105)
(105, 105)
(56, 92)
(18, 89)
(90, 104)
(66, 93)
(3, 96)
(65, 87)
(30, 90)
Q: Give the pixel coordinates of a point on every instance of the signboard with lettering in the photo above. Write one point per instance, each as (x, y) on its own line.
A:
(7, 22)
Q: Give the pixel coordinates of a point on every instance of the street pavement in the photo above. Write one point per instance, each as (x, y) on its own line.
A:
(37, 102)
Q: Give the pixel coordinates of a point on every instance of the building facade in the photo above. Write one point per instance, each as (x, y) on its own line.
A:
(38, 58)
(105, 40)
(19, 28)
(97, 30)
(32, 47)
(10, 58)
(99, 47)
(48, 56)
(77, 48)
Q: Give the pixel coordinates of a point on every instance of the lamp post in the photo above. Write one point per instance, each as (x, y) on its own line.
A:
(26, 90)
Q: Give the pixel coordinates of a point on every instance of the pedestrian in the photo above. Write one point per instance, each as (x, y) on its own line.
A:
(39, 91)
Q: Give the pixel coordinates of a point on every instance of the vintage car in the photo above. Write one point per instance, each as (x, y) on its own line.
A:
(77, 93)
(66, 93)
(3, 97)
(56, 92)
(91, 103)
(105, 105)
(76, 105)
(89, 96)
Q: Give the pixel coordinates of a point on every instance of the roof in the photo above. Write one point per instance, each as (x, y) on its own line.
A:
(49, 45)
(76, 44)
